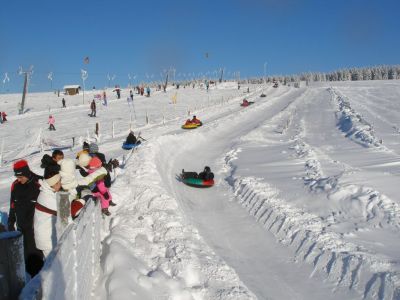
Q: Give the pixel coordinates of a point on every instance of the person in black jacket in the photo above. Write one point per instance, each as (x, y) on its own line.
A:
(24, 193)
(206, 174)
(132, 139)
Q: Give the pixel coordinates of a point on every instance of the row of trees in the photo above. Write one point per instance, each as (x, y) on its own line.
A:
(353, 74)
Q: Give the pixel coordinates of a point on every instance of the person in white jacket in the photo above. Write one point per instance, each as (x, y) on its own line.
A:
(44, 221)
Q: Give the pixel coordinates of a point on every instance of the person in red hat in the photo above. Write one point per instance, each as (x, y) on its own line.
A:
(24, 194)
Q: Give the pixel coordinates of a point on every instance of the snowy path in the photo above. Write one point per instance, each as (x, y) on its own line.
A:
(235, 236)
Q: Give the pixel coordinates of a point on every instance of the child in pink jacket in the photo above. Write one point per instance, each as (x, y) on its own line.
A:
(51, 122)
(100, 190)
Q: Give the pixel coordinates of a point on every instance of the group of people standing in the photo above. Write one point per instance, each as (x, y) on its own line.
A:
(33, 202)
(140, 90)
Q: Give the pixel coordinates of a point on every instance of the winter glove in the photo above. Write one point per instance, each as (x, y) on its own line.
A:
(108, 166)
(115, 163)
(80, 188)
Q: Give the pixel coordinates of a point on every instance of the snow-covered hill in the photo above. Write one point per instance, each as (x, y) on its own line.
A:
(305, 204)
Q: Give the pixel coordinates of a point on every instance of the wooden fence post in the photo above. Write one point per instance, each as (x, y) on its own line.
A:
(63, 212)
(113, 130)
(12, 264)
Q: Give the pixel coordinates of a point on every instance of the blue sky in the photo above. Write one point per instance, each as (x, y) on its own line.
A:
(146, 37)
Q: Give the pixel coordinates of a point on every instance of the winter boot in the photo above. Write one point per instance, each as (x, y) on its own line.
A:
(112, 203)
(105, 211)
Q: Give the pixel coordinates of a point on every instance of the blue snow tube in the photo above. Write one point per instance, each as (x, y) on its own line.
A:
(126, 146)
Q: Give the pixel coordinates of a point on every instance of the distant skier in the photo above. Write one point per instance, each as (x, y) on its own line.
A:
(63, 103)
(131, 94)
(93, 108)
(148, 91)
(4, 116)
(51, 122)
(118, 93)
(104, 98)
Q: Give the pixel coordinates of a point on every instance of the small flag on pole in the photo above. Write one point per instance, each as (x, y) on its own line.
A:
(84, 74)
(6, 78)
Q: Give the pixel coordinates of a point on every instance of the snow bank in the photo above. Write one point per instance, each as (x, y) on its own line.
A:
(345, 264)
(352, 123)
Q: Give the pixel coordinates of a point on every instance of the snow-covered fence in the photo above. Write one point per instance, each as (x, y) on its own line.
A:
(71, 267)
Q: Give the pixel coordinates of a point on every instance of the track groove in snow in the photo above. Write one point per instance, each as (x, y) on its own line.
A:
(151, 249)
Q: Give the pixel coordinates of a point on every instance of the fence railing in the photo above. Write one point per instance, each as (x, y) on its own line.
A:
(70, 268)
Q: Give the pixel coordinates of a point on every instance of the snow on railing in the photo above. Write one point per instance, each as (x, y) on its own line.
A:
(71, 267)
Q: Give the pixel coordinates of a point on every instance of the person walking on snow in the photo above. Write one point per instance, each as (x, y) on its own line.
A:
(148, 91)
(131, 94)
(93, 108)
(104, 98)
(51, 123)
(4, 116)
(63, 103)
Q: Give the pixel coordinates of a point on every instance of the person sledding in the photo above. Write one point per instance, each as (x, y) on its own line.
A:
(192, 124)
(202, 179)
(246, 103)
(132, 141)
(196, 121)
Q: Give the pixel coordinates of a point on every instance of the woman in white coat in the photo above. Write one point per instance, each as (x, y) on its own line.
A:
(44, 221)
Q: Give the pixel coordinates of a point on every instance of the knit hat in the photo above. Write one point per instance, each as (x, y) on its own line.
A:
(85, 146)
(93, 148)
(21, 168)
(53, 180)
(76, 207)
(95, 163)
(84, 160)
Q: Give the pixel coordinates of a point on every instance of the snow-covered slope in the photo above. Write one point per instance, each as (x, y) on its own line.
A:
(305, 204)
